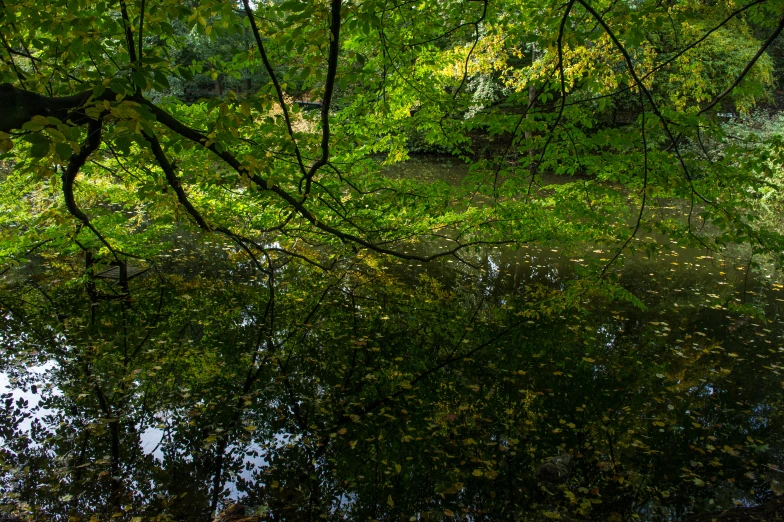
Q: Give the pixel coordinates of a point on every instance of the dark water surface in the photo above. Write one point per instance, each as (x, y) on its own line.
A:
(386, 390)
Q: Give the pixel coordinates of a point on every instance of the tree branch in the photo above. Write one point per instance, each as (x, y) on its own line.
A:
(275, 82)
(19, 107)
(173, 180)
(329, 87)
(90, 145)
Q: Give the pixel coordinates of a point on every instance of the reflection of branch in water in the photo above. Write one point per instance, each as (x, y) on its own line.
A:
(266, 329)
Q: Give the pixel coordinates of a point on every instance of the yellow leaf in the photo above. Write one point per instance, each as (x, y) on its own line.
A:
(477, 473)
(449, 513)
(250, 428)
(390, 501)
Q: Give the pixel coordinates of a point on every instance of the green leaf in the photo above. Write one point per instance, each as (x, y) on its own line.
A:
(161, 80)
(6, 145)
(35, 126)
(294, 6)
(40, 149)
(139, 79)
(63, 150)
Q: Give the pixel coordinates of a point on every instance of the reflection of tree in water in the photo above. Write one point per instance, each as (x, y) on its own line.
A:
(359, 394)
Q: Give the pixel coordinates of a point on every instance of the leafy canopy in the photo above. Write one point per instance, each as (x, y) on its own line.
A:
(127, 117)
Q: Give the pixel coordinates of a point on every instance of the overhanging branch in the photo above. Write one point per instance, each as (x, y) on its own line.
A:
(19, 107)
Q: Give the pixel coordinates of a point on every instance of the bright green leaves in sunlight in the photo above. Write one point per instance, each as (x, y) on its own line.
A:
(241, 116)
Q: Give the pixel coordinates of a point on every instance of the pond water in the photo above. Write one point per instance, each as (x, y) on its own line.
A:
(392, 390)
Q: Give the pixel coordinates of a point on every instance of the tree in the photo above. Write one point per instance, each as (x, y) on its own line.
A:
(294, 313)
(90, 95)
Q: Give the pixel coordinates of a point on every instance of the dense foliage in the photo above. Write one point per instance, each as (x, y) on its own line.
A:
(212, 232)
(131, 117)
